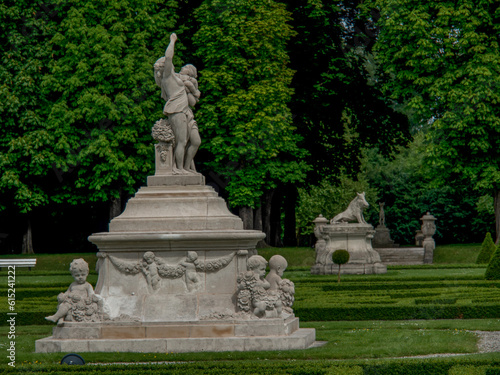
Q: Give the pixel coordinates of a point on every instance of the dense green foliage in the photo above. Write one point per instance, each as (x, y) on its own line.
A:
(246, 91)
(79, 98)
(329, 199)
(337, 107)
(444, 58)
(487, 250)
(25, 31)
(405, 183)
(493, 270)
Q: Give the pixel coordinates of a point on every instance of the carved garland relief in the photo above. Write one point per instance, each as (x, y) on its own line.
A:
(155, 269)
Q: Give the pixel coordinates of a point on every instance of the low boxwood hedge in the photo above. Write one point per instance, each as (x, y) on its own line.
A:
(453, 366)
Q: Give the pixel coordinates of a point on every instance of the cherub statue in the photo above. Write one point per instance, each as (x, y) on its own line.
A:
(253, 290)
(190, 273)
(79, 302)
(284, 287)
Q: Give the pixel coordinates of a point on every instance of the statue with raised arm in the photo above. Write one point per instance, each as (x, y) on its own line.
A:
(180, 91)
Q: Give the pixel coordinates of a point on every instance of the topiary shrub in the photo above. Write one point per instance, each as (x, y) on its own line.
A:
(493, 270)
(487, 250)
(340, 257)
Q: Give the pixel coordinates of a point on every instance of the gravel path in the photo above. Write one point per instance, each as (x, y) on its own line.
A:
(489, 341)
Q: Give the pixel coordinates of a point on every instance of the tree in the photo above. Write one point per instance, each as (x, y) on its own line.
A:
(337, 107)
(246, 123)
(487, 250)
(493, 269)
(81, 100)
(444, 58)
(405, 183)
(340, 257)
(25, 31)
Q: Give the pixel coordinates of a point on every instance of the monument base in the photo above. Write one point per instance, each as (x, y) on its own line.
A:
(179, 337)
(356, 239)
(382, 238)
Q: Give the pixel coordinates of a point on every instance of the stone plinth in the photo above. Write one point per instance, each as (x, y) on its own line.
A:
(382, 237)
(168, 279)
(162, 337)
(356, 239)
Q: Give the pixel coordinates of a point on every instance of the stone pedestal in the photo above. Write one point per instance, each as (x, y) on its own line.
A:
(356, 239)
(382, 238)
(428, 230)
(168, 270)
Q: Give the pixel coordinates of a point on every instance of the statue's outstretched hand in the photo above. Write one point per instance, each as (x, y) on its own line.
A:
(173, 37)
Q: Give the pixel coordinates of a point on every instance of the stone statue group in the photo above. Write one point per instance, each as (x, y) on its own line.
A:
(180, 92)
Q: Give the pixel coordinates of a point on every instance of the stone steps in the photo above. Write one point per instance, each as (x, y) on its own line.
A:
(401, 255)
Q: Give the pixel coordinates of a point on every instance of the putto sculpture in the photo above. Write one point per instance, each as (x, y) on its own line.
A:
(79, 303)
(354, 211)
(284, 287)
(265, 296)
(180, 92)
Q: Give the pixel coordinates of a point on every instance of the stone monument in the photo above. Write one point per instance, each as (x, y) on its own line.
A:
(176, 271)
(428, 230)
(382, 237)
(349, 231)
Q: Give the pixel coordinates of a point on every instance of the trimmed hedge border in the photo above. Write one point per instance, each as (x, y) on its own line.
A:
(392, 367)
(378, 312)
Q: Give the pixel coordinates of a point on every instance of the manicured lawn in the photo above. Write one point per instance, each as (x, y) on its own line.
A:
(452, 285)
(460, 253)
(346, 340)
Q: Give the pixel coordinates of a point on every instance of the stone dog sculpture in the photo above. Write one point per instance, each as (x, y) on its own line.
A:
(354, 211)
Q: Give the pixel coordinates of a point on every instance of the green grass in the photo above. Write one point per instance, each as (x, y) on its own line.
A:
(51, 263)
(346, 340)
(460, 253)
(304, 257)
(447, 283)
(297, 257)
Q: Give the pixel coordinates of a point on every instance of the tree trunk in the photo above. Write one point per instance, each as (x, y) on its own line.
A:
(290, 224)
(267, 200)
(257, 225)
(277, 202)
(246, 214)
(115, 207)
(27, 247)
(496, 195)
